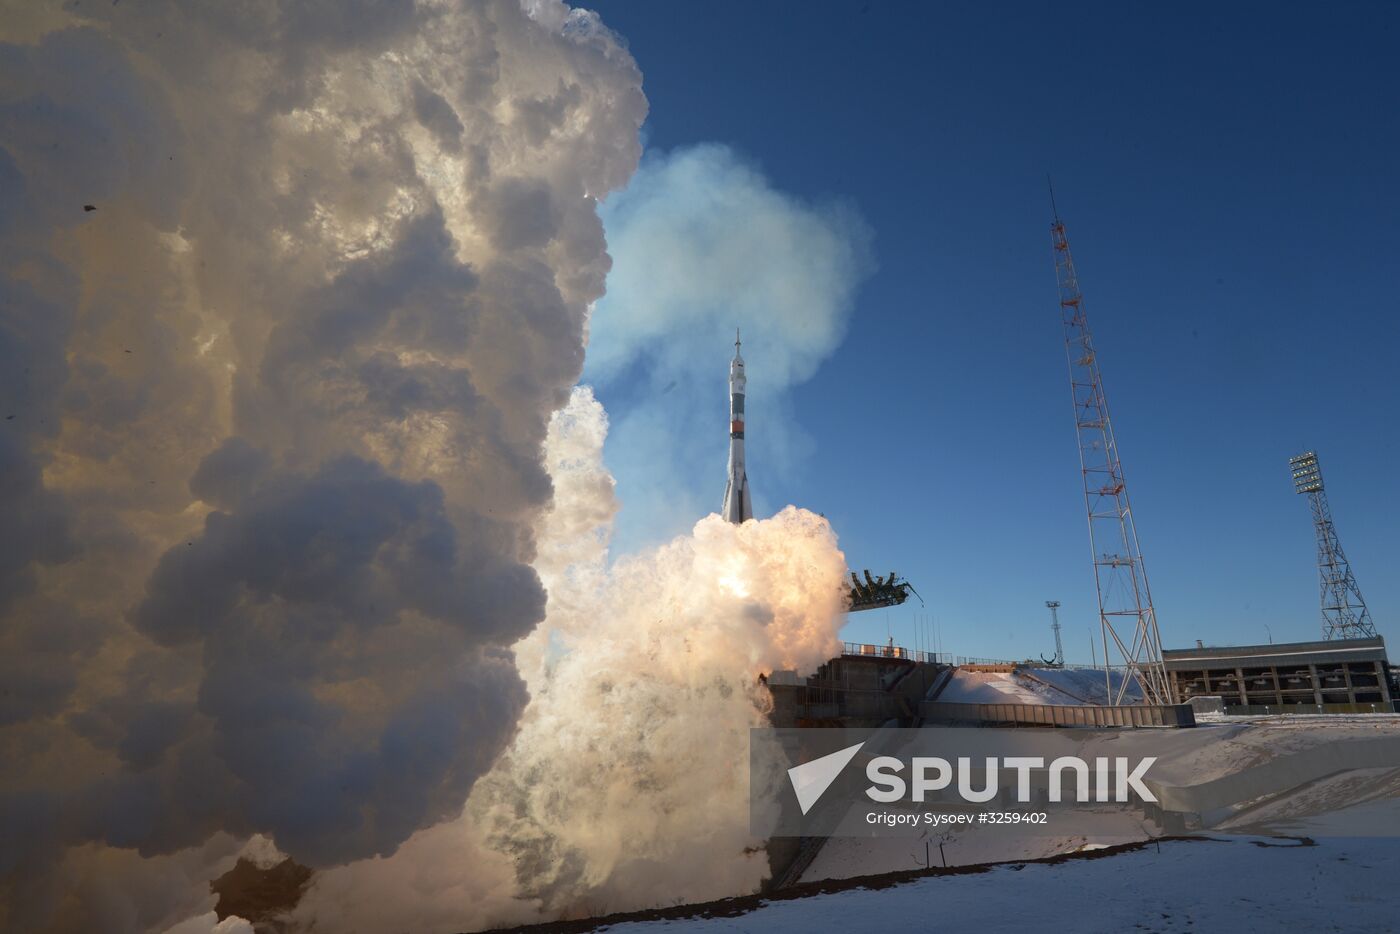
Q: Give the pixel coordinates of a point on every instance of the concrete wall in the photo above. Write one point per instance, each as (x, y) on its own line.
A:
(854, 691)
(1055, 715)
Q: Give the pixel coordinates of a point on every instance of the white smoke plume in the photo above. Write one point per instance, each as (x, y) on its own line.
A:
(210, 924)
(702, 243)
(288, 294)
(281, 514)
(626, 786)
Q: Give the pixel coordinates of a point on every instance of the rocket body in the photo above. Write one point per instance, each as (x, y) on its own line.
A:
(738, 504)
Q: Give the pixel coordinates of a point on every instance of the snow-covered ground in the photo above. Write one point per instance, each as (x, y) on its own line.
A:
(1218, 884)
(1084, 685)
(1221, 747)
(846, 857)
(1249, 873)
(1186, 758)
(988, 687)
(1030, 686)
(1314, 809)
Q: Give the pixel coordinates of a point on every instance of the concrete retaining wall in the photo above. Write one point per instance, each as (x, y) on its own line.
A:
(1055, 715)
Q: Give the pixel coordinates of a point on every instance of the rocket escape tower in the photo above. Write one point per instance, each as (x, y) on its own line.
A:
(1127, 619)
(1344, 613)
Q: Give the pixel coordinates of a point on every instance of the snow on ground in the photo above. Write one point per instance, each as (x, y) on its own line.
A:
(1214, 749)
(1185, 758)
(987, 687)
(845, 857)
(1198, 886)
(1084, 685)
(1322, 807)
(1247, 875)
(1029, 686)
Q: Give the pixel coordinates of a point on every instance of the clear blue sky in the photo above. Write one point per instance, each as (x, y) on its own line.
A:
(1228, 175)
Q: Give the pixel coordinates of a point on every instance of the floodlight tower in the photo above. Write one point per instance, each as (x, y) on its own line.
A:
(1127, 620)
(1344, 613)
(1054, 606)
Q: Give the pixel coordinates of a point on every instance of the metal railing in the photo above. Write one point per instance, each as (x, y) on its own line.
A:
(1269, 710)
(874, 650)
(1032, 663)
(870, 650)
(1069, 667)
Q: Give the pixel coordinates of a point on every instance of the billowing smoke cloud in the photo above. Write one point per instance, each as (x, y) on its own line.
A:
(702, 243)
(627, 784)
(288, 294)
(210, 924)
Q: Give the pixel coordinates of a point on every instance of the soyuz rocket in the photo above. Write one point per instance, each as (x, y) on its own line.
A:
(738, 504)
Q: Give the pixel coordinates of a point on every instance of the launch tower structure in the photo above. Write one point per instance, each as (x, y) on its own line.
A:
(1127, 619)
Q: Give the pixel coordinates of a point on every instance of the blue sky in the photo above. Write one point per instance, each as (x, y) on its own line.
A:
(1227, 176)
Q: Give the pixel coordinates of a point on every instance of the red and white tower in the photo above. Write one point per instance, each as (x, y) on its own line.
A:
(738, 505)
(1126, 616)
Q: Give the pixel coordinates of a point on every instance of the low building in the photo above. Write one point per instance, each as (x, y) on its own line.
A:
(1352, 672)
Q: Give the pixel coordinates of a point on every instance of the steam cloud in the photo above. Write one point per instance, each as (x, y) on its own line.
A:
(628, 779)
(274, 419)
(702, 242)
(294, 462)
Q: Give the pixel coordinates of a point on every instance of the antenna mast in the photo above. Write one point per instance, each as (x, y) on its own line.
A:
(1128, 622)
(1344, 613)
(1054, 606)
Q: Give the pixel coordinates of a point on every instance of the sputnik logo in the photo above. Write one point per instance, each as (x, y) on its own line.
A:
(810, 780)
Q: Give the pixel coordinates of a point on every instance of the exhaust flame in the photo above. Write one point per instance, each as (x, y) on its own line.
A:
(733, 581)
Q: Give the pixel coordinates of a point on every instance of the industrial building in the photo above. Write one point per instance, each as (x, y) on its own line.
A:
(1338, 675)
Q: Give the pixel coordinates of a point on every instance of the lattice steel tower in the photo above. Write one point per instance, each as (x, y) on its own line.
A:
(1344, 613)
(1127, 619)
(1054, 606)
